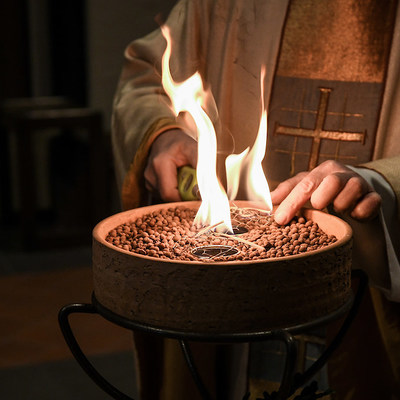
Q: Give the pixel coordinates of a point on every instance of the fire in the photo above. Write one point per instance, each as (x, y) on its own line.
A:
(190, 96)
(248, 165)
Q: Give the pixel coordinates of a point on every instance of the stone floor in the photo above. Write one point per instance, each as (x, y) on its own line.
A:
(35, 362)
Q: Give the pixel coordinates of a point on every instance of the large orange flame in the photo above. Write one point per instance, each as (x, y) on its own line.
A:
(190, 96)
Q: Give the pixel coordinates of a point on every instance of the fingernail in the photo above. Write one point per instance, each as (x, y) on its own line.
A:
(280, 218)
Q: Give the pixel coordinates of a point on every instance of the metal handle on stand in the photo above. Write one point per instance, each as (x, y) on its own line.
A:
(77, 352)
(91, 371)
(290, 382)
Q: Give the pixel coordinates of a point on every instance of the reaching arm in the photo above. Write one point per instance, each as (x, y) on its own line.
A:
(329, 183)
(141, 110)
(171, 150)
(366, 200)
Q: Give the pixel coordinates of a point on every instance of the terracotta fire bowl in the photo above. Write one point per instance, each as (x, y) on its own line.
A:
(222, 297)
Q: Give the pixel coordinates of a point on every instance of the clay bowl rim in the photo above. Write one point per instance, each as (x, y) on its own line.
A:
(104, 226)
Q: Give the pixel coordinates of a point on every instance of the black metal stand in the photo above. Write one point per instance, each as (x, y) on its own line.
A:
(290, 383)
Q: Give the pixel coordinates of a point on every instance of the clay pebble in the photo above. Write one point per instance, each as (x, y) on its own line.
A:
(170, 234)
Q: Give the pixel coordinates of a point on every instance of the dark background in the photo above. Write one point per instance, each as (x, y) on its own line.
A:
(67, 53)
(70, 50)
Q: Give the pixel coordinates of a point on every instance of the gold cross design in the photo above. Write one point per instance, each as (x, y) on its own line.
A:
(318, 133)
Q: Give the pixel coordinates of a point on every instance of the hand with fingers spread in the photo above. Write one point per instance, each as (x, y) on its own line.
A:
(171, 150)
(328, 183)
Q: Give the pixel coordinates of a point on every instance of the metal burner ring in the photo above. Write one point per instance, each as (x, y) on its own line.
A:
(212, 251)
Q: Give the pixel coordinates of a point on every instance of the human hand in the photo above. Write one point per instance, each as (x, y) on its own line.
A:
(171, 150)
(328, 183)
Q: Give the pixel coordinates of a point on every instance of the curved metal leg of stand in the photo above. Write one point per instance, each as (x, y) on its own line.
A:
(290, 363)
(320, 362)
(193, 370)
(77, 352)
(290, 382)
(288, 374)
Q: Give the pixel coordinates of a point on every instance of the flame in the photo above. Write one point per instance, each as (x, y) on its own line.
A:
(233, 165)
(190, 96)
(248, 165)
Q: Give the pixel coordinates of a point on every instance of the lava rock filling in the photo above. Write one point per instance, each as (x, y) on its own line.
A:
(170, 234)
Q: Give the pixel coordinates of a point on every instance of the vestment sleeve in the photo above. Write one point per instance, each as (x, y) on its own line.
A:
(384, 176)
(141, 108)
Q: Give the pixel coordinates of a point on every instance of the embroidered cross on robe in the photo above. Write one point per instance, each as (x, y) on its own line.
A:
(325, 105)
(328, 87)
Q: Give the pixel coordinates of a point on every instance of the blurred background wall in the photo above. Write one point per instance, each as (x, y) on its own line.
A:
(59, 66)
(76, 47)
(110, 29)
(70, 50)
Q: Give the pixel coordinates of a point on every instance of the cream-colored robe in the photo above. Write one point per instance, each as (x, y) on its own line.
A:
(227, 41)
(141, 109)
